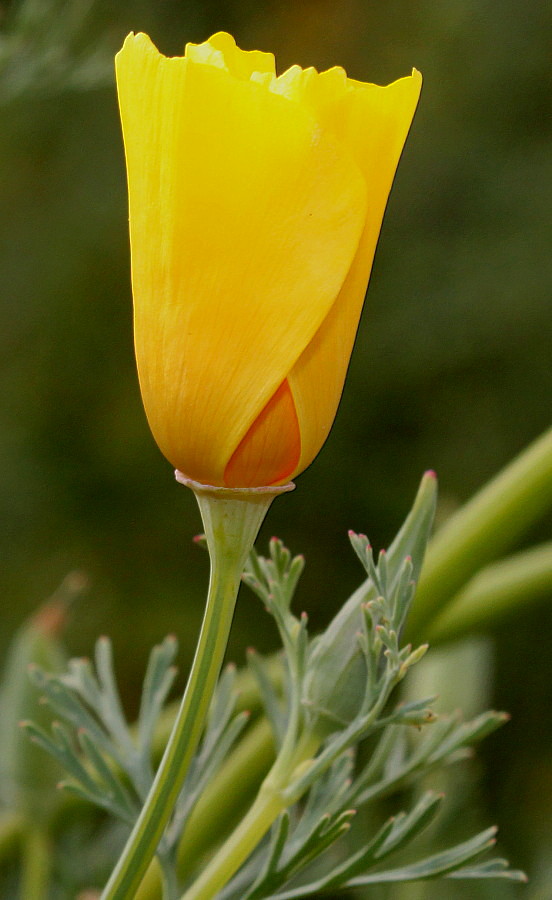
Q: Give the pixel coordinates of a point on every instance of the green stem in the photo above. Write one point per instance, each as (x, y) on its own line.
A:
(169, 877)
(231, 519)
(230, 791)
(222, 804)
(248, 697)
(36, 864)
(272, 799)
(487, 526)
(494, 592)
(293, 773)
(265, 810)
(12, 829)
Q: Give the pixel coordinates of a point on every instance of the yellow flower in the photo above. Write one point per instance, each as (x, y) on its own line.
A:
(255, 207)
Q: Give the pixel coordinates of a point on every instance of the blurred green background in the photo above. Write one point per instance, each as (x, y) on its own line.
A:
(452, 367)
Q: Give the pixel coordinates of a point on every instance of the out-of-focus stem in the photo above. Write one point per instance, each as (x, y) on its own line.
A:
(491, 594)
(36, 864)
(482, 530)
(12, 827)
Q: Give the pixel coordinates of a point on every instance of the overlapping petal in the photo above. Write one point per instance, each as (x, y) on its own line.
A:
(245, 216)
(373, 122)
(221, 50)
(270, 451)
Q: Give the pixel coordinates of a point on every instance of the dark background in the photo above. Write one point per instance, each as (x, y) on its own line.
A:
(452, 367)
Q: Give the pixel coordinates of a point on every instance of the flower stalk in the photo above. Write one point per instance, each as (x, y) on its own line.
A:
(231, 518)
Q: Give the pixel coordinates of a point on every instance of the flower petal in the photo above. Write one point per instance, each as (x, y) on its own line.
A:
(240, 63)
(245, 217)
(271, 449)
(373, 122)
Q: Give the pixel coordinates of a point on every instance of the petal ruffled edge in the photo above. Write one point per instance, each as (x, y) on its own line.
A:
(221, 50)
